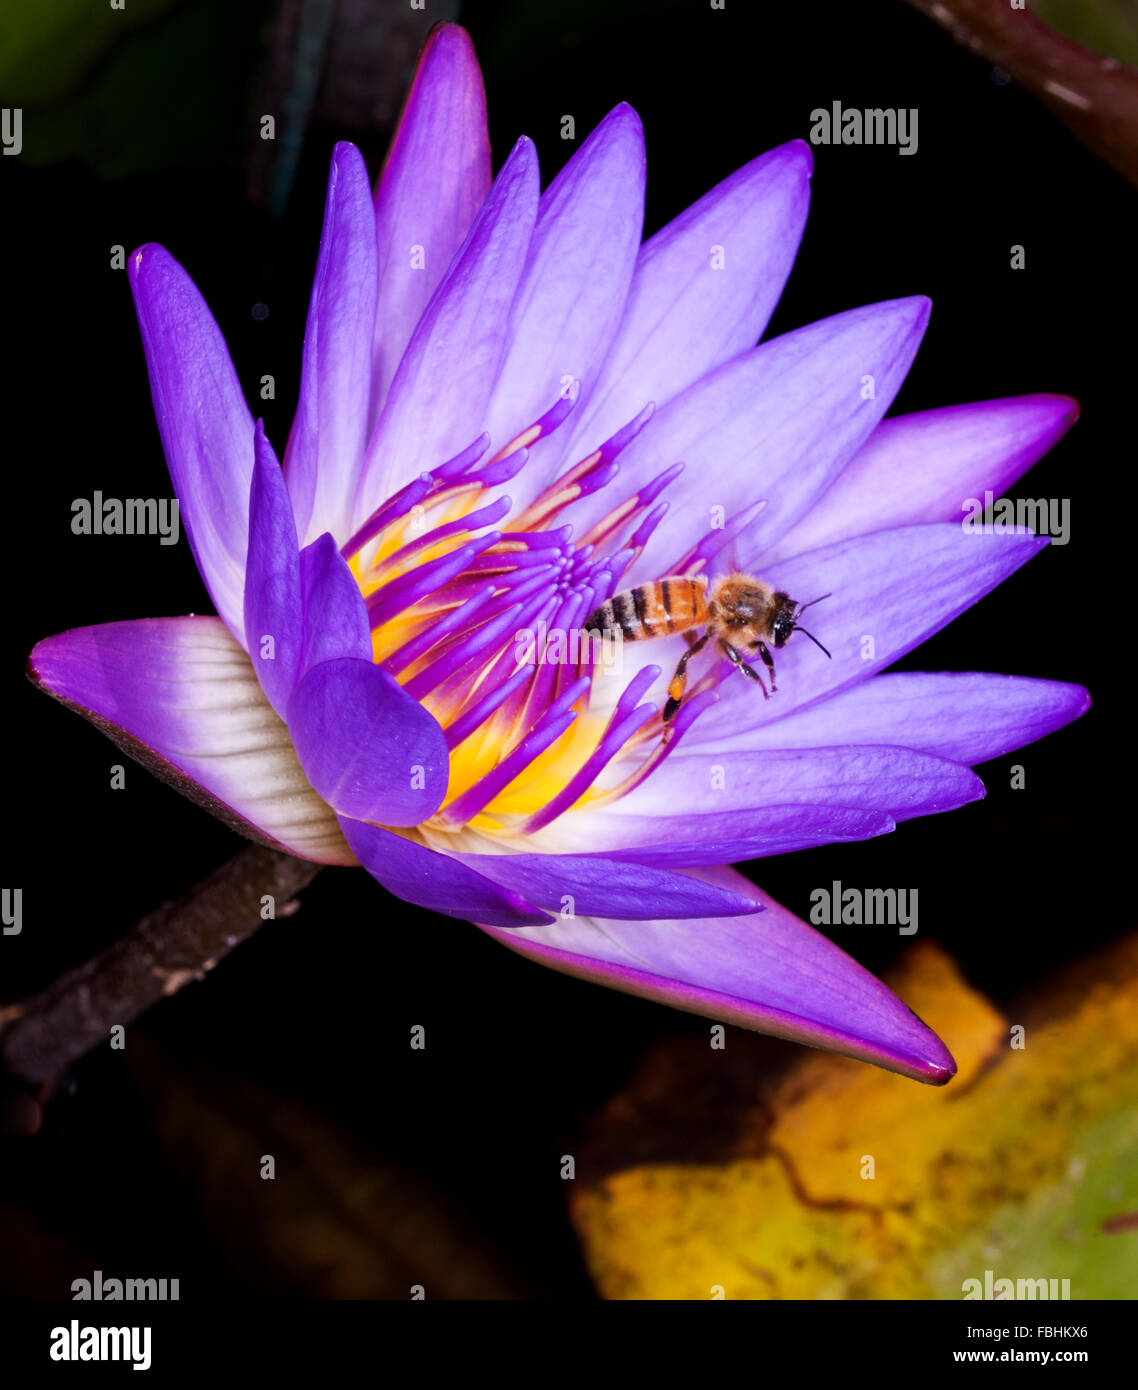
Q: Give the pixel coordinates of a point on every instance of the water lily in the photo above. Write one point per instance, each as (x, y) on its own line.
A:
(509, 410)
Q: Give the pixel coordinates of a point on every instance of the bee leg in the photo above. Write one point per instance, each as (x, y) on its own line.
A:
(768, 661)
(741, 665)
(679, 680)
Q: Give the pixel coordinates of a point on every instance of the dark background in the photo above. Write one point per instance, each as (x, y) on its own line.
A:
(315, 1010)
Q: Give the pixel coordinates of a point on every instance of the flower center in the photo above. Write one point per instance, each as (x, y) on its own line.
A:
(484, 627)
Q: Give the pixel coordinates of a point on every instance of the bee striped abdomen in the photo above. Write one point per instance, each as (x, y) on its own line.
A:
(653, 610)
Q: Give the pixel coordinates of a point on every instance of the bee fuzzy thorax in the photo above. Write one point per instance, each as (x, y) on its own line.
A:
(740, 603)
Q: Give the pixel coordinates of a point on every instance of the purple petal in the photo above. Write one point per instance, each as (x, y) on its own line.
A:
(890, 591)
(444, 381)
(273, 614)
(335, 617)
(732, 837)
(779, 422)
(434, 180)
(368, 748)
(963, 450)
(968, 716)
(205, 425)
(567, 883)
(572, 297)
(690, 309)
(326, 448)
(719, 796)
(436, 881)
(770, 972)
(180, 696)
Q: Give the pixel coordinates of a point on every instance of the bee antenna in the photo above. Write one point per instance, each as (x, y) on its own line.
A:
(802, 607)
(811, 635)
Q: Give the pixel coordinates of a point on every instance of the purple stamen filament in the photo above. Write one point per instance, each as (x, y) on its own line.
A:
(448, 604)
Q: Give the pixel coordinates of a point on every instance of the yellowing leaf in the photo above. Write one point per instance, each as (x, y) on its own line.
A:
(842, 1181)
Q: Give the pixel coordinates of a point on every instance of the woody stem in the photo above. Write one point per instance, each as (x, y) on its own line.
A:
(178, 942)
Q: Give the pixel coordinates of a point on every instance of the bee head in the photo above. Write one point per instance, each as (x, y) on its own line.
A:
(783, 622)
(787, 613)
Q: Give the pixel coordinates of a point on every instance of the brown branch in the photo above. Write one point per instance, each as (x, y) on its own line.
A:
(176, 943)
(1096, 97)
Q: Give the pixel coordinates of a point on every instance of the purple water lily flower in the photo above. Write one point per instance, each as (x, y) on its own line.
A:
(509, 410)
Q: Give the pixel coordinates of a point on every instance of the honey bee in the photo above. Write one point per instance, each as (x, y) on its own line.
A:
(738, 610)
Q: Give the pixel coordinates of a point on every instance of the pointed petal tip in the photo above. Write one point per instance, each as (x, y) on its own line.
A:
(936, 1066)
(915, 309)
(1056, 413)
(1070, 704)
(447, 33)
(1067, 702)
(807, 156)
(974, 788)
(44, 664)
(926, 1060)
(622, 122)
(1067, 407)
(1045, 416)
(920, 306)
(921, 1056)
(32, 667)
(937, 1071)
(448, 55)
(344, 151)
(784, 170)
(907, 314)
(148, 257)
(523, 154)
(797, 152)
